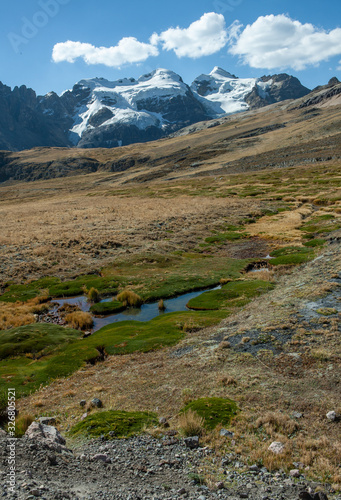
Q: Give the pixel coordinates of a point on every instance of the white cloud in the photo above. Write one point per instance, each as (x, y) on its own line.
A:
(280, 42)
(128, 50)
(202, 38)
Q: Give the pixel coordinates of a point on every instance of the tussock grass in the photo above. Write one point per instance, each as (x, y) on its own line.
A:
(79, 320)
(191, 424)
(129, 298)
(93, 295)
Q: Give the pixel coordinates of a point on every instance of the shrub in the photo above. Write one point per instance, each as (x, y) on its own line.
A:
(129, 298)
(79, 320)
(191, 424)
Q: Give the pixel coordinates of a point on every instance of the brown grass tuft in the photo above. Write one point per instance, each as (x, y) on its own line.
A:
(79, 320)
(191, 424)
(129, 298)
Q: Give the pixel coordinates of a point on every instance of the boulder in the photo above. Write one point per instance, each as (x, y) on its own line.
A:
(46, 435)
(276, 447)
(192, 442)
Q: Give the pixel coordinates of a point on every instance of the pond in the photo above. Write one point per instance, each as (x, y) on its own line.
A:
(145, 313)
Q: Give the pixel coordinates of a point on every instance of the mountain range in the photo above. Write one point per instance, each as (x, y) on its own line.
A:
(100, 113)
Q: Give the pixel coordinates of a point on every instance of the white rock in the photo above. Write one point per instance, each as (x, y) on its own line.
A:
(276, 447)
(332, 416)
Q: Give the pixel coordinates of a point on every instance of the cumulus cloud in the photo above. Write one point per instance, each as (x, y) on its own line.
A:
(128, 50)
(204, 37)
(279, 42)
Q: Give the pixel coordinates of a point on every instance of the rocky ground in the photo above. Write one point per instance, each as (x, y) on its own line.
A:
(141, 468)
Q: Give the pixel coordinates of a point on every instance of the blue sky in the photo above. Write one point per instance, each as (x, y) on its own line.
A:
(52, 44)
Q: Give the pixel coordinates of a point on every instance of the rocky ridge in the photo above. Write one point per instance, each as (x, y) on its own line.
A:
(101, 113)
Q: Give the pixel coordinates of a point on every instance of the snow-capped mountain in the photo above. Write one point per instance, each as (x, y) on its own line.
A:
(125, 111)
(101, 113)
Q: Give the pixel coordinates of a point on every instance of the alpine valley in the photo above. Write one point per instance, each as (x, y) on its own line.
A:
(101, 113)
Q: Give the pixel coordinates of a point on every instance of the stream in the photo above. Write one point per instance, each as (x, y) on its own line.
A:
(145, 313)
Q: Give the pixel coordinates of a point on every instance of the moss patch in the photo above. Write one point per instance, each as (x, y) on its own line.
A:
(110, 307)
(113, 424)
(291, 256)
(44, 352)
(215, 411)
(37, 339)
(233, 294)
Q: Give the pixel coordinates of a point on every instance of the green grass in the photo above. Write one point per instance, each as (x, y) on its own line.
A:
(122, 423)
(54, 287)
(223, 237)
(215, 411)
(318, 242)
(155, 277)
(292, 255)
(37, 339)
(234, 294)
(37, 354)
(110, 307)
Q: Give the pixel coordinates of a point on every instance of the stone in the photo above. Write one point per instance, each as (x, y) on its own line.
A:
(192, 442)
(3, 434)
(163, 421)
(220, 485)
(254, 468)
(332, 416)
(226, 433)
(294, 473)
(46, 434)
(47, 420)
(82, 403)
(84, 416)
(296, 414)
(101, 457)
(276, 447)
(52, 459)
(96, 403)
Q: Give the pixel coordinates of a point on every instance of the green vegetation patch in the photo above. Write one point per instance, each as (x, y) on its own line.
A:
(113, 424)
(222, 237)
(291, 256)
(321, 224)
(215, 411)
(37, 339)
(37, 354)
(155, 277)
(110, 307)
(233, 294)
(54, 287)
(317, 242)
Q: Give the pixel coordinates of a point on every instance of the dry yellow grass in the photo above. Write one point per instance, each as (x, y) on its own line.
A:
(13, 315)
(79, 320)
(191, 424)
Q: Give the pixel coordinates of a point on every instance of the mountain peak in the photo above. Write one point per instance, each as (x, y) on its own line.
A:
(220, 72)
